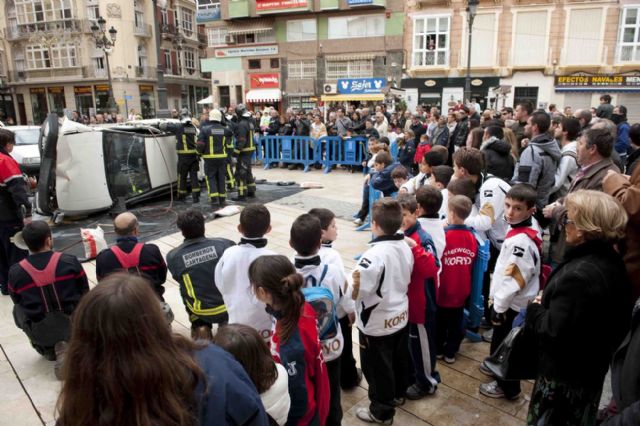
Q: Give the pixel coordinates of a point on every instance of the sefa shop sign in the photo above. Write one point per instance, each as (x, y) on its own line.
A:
(360, 86)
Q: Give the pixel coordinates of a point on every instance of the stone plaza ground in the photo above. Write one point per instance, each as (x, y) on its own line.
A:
(29, 389)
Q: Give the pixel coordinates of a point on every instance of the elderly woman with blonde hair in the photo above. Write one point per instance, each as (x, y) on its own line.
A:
(582, 315)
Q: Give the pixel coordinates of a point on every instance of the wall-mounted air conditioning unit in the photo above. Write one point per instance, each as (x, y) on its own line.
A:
(330, 89)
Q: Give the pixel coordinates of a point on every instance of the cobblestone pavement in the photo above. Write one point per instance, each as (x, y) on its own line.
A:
(29, 389)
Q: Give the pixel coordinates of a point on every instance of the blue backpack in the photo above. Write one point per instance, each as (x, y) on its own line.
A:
(322, 301)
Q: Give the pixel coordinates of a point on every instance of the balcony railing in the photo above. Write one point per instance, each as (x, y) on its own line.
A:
(49, 73)
(146, 72)
(142, 30)
(168, 31)
(24, 31)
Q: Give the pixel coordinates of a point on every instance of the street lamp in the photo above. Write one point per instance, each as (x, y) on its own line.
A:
(106, 44)
(472, 8)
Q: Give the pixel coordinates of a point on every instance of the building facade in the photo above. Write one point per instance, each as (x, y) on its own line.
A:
(563, 52)
(291, 53)
(53, 63)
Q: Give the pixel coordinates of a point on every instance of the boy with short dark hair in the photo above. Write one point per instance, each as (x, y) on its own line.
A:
(381, 180)
(380, 284)
(232, 271)
(422, 303)
(455, 278)
(350, 375)
(429, 202)
(305, 239)
(440, 178)
(516, 277)
(400, 177)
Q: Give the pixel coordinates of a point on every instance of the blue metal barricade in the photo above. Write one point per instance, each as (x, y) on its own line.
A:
(475, 304)
(290, 150)
(345, 152)
(374, 195)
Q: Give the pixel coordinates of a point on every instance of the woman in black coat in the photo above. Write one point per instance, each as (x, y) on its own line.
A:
(583, 314)
(497, 153)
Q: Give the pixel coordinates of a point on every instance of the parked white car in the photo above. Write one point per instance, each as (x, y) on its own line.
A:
(26, 151)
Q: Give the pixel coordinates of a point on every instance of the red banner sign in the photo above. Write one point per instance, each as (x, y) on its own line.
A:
(265, 81)
(262, 5)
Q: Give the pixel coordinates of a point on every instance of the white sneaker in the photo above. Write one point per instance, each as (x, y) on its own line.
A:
(358, 221)
(449, 360)
(365, 415)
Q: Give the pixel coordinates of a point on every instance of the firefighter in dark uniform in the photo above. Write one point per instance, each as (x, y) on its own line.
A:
(212, 144)
(193, 265)
(188, 160)
(15, 208)
(231, 125)
(243, 151)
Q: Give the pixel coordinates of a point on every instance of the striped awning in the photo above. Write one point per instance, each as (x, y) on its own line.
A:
(264, 95)
(344, 98)
(251, 27)
(350, 57)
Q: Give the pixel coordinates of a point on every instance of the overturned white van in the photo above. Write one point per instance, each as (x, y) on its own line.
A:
(88, 169)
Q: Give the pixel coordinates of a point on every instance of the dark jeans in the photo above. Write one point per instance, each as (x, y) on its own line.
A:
(384, 364)
(43, 335)
(422, 348)
(9, 253)
(335, 406)
(486, 282)
(348, 369)
(450, 330)
(511, 388)
(364, 208)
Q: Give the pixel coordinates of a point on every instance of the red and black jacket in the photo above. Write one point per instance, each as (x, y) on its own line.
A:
(62, 294)
(13, 191)
(150, 263)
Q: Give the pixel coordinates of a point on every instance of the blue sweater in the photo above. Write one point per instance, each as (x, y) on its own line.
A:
(382, 180)
(622, 141)
(230, 397)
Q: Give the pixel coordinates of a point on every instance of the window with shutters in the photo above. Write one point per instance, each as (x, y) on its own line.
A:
(349, 69)
(302, 69)
(584, 34)
(483, 46)
(530, 43)
(216, 36)
(356, 26)
(301, 30)
(629, 36)
(431, 41)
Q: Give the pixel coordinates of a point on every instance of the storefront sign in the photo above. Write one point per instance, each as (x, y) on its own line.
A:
(263, 5)
(358, 2)
(207, 12)
(360, 86)
(596, 81)
(146, 88)
(430, 83)
(78, 90)
(102, 87)
(477, 82)
(36, 90)
(56, 90)
(264, 81)
(228, 52)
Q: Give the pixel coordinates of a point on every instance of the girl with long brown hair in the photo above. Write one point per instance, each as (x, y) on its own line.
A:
(123, 366)
(295, 342)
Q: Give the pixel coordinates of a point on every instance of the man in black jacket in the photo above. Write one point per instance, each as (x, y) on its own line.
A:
(130, 255)
(193, 265)
(15, 208)
(45, 288)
